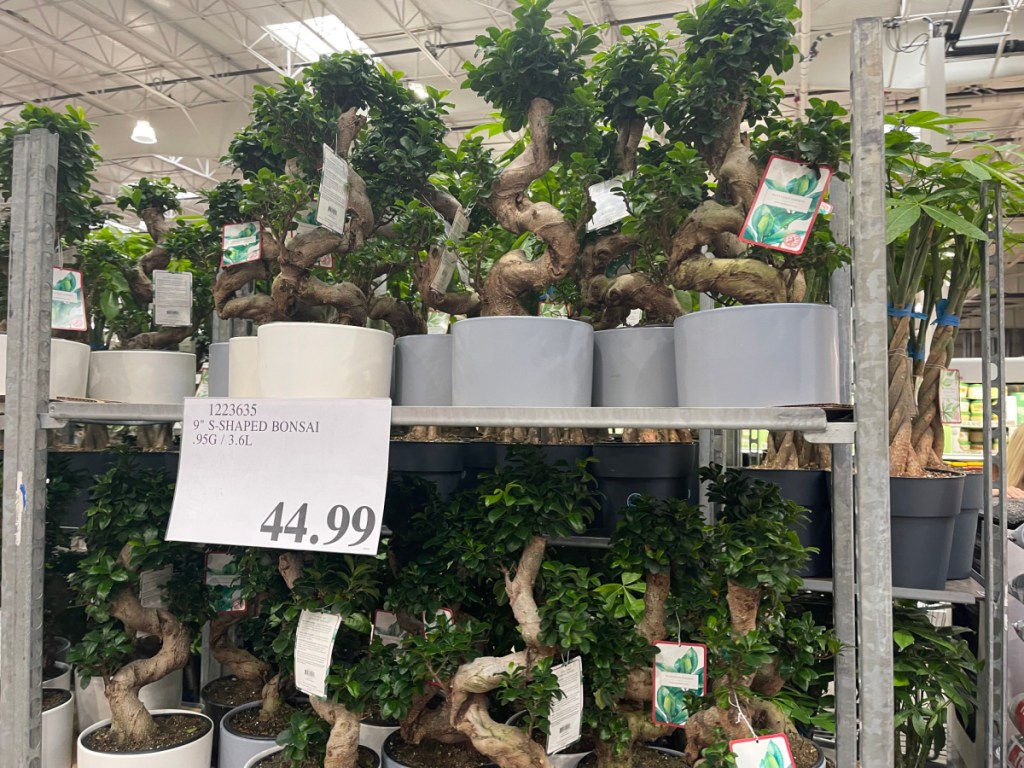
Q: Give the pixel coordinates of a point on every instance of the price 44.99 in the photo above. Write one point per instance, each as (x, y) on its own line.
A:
(340, 521)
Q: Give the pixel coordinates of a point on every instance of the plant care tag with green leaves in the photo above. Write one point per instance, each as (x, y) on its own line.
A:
(225, 582)
(240, 243)
(67, 305)
(949, 396)
(172, 298)
(314, 648)
(762, 752)
(786, 205)
(566, 716)
(333, 199)
(679, 669)
(609, 204)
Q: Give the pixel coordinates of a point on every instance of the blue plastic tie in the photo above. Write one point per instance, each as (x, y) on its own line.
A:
(906, 312)
(943, 318)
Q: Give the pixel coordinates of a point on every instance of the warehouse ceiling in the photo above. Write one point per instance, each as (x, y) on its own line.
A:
(188, 66)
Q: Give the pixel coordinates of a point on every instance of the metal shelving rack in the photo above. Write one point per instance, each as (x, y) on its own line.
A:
(861, 587)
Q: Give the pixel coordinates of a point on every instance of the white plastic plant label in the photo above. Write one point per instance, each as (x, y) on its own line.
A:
(566, 717)
(151, 587)
(314, 647)
(448, 616)
(333, 199)
(786, 205)
(225, 582)
(387, 627)
(218, 499)
(679, 669)
(240, 243)
(762, 752)
(172, 298)
(67, 304)
(609, 204)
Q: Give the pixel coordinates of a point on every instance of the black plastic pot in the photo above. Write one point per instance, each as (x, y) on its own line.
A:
(965, 529)
(477, 458)
(553, 454)
(923, 512)
(438, 463)
(809, 488)
(627, 470)
(215, 710)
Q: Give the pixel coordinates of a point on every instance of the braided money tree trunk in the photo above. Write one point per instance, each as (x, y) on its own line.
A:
(121, 530)
(392, 141)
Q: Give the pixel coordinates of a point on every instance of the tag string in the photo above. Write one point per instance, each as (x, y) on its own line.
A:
(679, 630)
(736, 703)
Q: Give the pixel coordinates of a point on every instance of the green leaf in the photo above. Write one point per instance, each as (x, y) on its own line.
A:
(903, 639)
(899, 219)
(952, 221)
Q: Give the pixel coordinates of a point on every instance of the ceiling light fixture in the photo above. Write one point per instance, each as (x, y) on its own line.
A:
(419, 90)
(143, 133)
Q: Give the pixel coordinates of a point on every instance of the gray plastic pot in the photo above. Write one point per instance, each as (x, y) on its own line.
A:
(923, 511)
(965, 529)
(759, 355)
(217, 375)
(235, 749)
(522, 362)
(635, 367)
(255, 761)
(566, 759)
(423, 370)
(373, 735)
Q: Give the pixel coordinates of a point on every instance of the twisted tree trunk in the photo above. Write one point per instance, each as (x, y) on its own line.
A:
(343, 741)
(903, 460)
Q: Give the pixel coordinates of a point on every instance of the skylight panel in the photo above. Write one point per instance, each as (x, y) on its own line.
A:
(318, 36)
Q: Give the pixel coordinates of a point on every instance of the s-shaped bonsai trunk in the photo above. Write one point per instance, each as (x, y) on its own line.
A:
(506, 745)
(514, 274)
(243, 664)
(130, 721)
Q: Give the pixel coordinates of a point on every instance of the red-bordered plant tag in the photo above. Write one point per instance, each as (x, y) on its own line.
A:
(387, 628)
(240, 243)
(786, 205)
(762, 752)
(67, 302)
(225, 582)
(679, 669)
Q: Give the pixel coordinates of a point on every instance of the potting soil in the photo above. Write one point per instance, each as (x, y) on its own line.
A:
(230, 691)
(644, 758)
(430, 754)
(54, 697)
(171, 731)
(248, 723)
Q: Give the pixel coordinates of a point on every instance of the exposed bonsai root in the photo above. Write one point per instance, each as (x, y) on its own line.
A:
(271, 698)
(743, 605)
(401, 318)
(239, 662)
(432, 723)
(652, 625)
(95, 437)
(343, 742)
(789, 450)
(748, 281)
(162, 339)
(506, 745)
(702, 729)
(701, 228)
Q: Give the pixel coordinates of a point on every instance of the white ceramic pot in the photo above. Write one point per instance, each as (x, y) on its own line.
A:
(243, 368)
(142, 376)
(758, 355)
(567, 759)
(59, 735)
(522, 362)
(266, 753)
(69, 368)
(63, 680)
(234, 749)
(91, 701)
(320, 360)
(194, 754)
(373, 736)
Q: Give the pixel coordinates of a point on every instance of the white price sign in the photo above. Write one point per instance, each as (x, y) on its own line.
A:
(283, 474)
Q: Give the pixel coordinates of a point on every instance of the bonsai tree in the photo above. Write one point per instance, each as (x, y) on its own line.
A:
(392, 142)
(78, 206)
(935, 233)
(498, 538)
(123, 532)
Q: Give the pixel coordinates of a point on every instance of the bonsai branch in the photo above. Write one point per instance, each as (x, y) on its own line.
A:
(240, 662)
(343, 741)
(748, 281)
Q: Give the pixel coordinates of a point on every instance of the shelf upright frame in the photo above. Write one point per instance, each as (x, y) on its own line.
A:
(873, 576)
(993, 540)
(844, 602)
(33, 223)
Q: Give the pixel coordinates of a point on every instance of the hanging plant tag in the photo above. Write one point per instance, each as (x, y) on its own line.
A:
(679, 668)
(172, 298)
(386, 627)
(566, 717)
(333, 199)
(67, 304)
(225, 582)
(609, 204)
(438, 322)
(240, 243)
(762, 752)
(151, 587)
(786, 205)
(447, 613)
(1015, 757)
(314, 647)
(449, 258)
(949, 395)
